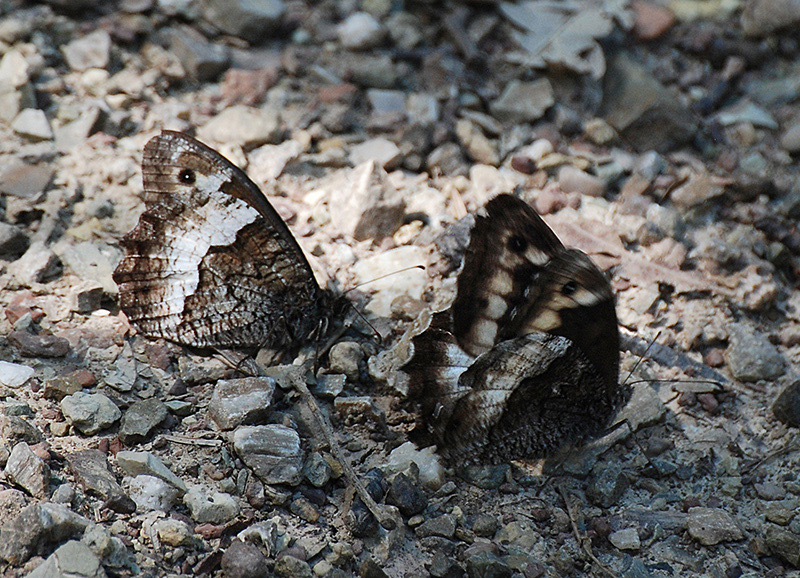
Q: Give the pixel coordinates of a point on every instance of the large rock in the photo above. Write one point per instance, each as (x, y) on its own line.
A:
(90, 412)
(642, 110)
(141, 420)
(35, 528)
(366, 205)
(28, 471)
(751, 356)
(237, 402)
(72, 560)
(523, 101)
(272, 451)
(252, 20)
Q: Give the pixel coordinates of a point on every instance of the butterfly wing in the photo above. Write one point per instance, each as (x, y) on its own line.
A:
(526, 397)
(211, 263)
(509, 247)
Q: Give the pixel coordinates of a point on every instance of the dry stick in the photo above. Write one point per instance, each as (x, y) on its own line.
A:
(192, 441)
(383, 518)
(584, 542)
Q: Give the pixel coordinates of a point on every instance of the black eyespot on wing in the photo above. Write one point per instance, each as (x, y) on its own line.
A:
(517, 243)
(569, 288)
(187, 176)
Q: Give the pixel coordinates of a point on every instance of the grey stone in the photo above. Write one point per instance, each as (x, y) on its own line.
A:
(329, 386)
(360, 31)
(790, 139)
(90, 468)
(13, 242)
(218, 508)
(405, 494)
(607, 485)
(140, 421)
(136, 463)
(243, 125)
(37, 526)
(32, 124)
(14, 374)
(90, 51)
(194, 369)
(371, 71)
(784, 544)
(711, 526)
(627, 539)
(787, 407)
(487, 565)
(368, 206)
(14, 429)
(386, 101)
(345, 357)
(152, 493)
(444, 525)
(447, 159)
(26, 181)
(523, 101)
(237, 402)
(39, 264)
(71, 560)
(41, 344)
(642, 110)
(272, 451)
(317, 470)
(485, 525)
(291, 567)
(751, 356)
(252, 20)
(27, 470)
(488, 477)
(201, 59)
(244, 560)
(761, 17)
(90, 412)
(179, 407)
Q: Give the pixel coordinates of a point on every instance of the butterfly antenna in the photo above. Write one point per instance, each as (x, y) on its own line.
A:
(641, 358)
(383, 277)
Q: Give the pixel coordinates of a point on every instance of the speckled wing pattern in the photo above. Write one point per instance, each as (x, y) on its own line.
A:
(211, 263)
(527, 358)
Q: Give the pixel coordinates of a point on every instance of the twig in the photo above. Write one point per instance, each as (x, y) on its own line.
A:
(192, 441)
(383, 518)
(584, 542)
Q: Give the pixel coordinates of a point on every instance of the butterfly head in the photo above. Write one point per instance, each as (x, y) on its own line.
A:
(576, 302)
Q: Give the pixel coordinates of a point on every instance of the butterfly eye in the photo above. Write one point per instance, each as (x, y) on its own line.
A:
(187, 176)
(569, 288)
(517, 244)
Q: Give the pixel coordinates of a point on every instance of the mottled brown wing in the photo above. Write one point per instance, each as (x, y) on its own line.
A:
(525, 398)
(509, 247)
(211, 263)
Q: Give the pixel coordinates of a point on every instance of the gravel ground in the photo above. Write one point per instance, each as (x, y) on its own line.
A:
(659, 137)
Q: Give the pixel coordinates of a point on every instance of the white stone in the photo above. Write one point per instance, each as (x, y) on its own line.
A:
(32, 123)
(627, 539)
(360, 31)
(411, 282)
(431, 471)
(151, 493)
(14, 374)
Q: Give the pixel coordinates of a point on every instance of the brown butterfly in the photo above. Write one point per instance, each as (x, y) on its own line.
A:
(527, 358)
(211, 263)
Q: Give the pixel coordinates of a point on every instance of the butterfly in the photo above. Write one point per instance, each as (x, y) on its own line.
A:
(210, 263)
(526, 360)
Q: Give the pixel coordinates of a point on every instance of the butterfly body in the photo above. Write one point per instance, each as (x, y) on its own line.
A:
(211, 263)
(527, 358)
